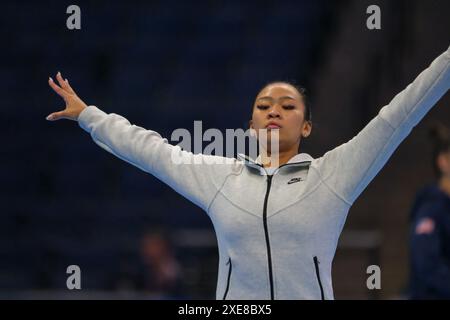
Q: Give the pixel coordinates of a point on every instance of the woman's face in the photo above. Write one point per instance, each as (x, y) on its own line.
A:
(280, 107)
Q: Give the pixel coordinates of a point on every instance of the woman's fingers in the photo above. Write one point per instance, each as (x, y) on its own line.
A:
(69, 88)
(61, 81)
(74, 105)
(57, 89)
(64, 83)
(56, 115)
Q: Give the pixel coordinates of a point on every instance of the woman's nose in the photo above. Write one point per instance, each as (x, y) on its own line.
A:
(274, 112)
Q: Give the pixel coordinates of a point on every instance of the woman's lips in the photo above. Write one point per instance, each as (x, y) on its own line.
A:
(273, 126)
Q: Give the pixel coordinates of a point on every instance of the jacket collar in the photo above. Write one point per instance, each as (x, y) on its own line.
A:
(300, 159)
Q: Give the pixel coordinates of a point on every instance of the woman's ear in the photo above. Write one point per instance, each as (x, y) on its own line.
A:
(307, 128)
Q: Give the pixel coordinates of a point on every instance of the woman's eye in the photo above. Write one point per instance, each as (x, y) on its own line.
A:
(289, 107)
(262, 107)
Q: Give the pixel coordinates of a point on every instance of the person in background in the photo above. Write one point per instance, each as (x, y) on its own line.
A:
(430, 227)
(162, 270)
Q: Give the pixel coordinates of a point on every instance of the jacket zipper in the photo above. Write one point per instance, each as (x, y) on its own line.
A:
(316, 263)
(228, 279)
(266, 233)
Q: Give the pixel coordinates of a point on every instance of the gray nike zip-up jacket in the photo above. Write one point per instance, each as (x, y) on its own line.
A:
(277, 233)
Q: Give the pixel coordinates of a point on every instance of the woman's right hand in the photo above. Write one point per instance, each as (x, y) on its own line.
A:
(74, 105)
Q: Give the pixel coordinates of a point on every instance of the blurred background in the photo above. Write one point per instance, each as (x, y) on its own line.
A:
(163, 65)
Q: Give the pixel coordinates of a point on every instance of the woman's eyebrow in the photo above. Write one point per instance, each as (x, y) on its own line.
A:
(281, 98)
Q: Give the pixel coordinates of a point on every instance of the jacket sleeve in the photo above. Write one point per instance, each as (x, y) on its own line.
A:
(195, 176)
(350, 167)
(431, 269)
